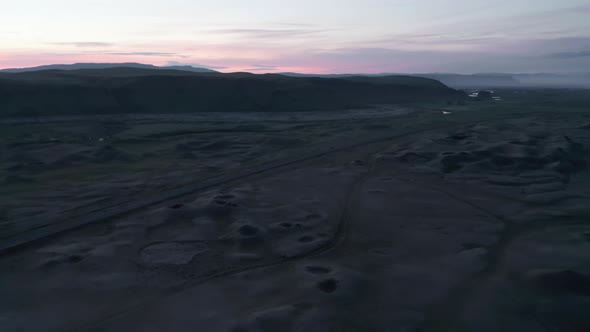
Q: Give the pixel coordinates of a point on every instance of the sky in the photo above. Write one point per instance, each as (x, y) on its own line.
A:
(308, 36)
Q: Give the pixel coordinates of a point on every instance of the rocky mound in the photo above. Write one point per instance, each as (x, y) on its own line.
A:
(503, 155)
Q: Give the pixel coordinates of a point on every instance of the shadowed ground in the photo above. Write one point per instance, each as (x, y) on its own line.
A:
(475, 220)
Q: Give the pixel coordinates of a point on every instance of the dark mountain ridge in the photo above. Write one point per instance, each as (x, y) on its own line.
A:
(489, 80)
(141, 90)
(459, 81)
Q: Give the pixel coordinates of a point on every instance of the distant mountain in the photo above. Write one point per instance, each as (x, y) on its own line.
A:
(77, 66)
(459, 81)
(292, 74)
(576, 80)
(93, 76)
(190, 68)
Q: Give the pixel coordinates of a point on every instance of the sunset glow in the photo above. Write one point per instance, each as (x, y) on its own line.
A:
(302, 36)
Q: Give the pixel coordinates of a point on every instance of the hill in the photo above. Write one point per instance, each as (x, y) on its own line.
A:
(474, 80)
(488, 80)
(141, 90)
(452, 80)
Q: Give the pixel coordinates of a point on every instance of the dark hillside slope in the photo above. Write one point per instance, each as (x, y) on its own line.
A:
(452, 80)
(132, 90)
(90, 76)
(475, 80)
(396, 79)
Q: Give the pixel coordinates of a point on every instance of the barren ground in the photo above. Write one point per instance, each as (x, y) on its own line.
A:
(395, 219)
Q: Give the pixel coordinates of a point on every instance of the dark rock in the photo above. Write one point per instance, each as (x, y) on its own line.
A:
(306, 239)
(224, 197)
(248, 230)
(412, 157)
(561, 281)
(450, 164)
(328, 285)
(315, 269)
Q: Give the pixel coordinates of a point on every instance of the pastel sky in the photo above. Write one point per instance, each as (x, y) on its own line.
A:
(311, 36)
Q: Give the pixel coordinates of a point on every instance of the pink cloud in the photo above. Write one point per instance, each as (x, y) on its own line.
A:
(503, 56)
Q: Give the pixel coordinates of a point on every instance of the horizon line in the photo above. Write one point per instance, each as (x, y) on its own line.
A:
(286, 72)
